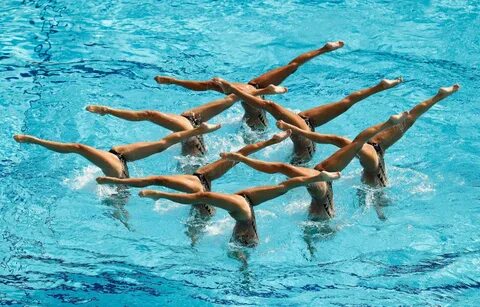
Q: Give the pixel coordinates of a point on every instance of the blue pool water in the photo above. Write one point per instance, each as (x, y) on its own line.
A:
(62, 241)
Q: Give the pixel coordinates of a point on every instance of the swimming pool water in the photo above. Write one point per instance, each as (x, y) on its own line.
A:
(62, 241)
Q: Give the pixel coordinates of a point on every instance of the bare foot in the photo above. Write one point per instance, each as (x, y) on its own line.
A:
(386, 83)
(206, 128)
(97, 109)
(232, 156)
(149, 193)
(330, 46)
(164, 80)
(274, 89)
(225, 85)
(446, 91)
(327, 176)
(22, 138)
(284, 126)
(279, 137)
(397, 118)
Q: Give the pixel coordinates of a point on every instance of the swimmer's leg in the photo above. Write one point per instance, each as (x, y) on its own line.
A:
(278, 75)
(390, 136)
(107, 162)
(269, 167)
(262, 194)
(341, 158)
(209, 110)
(220, 167)
(182, 183)
(325, 113)
(193, 85)
(170, 121)
(367, 155)
(141, 150)
(276, 110)
(229, 202)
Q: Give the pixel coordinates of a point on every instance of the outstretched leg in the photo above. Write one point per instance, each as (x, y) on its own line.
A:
(325, 113)
(390, 136)
(107, 162)
(230, 202)
(276, 110)
(262, 194)
(218, 168)
(341, 158)
(209, 110)
(269, 167)
(182, 183)
(278, 75)
(367, 155)
(234, 203)
(193, 85)
(141, 150)
(170, 121)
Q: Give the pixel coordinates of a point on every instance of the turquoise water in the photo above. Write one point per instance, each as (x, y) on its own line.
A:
(62, 241)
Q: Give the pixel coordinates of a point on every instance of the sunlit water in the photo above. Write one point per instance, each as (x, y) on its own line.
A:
(64, 240)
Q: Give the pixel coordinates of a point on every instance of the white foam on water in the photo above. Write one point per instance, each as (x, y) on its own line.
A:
(105, 191)
(219, 227)
(418, 182)
(163, 206)
(83, 178)
(265, 213)
(296, 207)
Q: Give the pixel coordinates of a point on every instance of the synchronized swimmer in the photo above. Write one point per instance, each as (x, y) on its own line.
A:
(368, 146)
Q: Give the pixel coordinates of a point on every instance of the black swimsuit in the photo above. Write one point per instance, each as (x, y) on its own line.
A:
(198, 143)
(311, 145)
(206, 188)
(122, 159)
(246, 240)
(262, 116)
(328, 205)
(382, 174)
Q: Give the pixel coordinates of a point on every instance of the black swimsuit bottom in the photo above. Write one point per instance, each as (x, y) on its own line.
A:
(244, 240)
(122, 159)
(328, 204)
(311, 147)
(195, 121)
(382, 174)
(207, 188)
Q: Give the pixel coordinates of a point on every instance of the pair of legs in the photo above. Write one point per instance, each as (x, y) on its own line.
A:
(309, 119)
(335, 163)
(367, 155)
(191, 183)
(236, 204)
(275, 76)
(110, 163)
(181, 122)
(255, 118)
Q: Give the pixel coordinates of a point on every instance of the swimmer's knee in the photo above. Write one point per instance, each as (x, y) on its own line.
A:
(271, 105)
(283, 167)
(78, 147)
(148, 114)
(293, 66)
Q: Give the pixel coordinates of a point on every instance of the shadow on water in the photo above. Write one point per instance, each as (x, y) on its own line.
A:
(373, 197)
(117, 203)
(195, 226)
(315, 232)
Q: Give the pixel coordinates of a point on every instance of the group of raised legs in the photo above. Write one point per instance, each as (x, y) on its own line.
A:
(188, 129)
